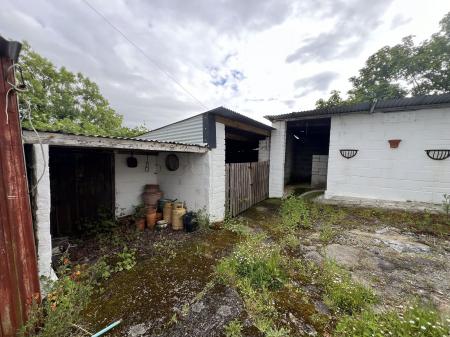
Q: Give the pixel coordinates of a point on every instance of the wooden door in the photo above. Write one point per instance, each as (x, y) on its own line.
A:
(245, 185)
(82, 188)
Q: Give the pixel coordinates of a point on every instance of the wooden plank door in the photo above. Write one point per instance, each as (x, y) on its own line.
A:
(245, 185)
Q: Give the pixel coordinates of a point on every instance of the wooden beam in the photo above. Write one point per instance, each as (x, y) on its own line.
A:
(242, 126)
(234, 136)
(60, 139)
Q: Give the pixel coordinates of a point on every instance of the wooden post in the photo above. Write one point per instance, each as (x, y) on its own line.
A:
(19, 283)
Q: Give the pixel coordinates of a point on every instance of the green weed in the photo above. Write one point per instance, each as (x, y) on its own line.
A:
(327, 234)
(341, 293)
(419, 320)
(256, 261)
(126, 259)
(236, 225)
(295, 213)
(233, 329)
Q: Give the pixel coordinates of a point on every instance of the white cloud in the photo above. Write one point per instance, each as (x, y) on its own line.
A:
(231, 53)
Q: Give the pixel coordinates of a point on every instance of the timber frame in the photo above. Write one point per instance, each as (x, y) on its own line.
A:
(73, 140)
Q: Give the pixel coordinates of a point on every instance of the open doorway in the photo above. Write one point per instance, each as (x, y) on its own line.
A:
(82, 188)
(307, 146)
(241, 146)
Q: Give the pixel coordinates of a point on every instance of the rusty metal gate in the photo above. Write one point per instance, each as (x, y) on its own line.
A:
(245, 185)
(19, 283)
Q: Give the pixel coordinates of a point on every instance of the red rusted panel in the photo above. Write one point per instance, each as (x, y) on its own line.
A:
(19, 282)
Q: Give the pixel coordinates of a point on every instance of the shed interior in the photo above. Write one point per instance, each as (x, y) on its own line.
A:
(241, 146)
(305, 139)
(81, 188)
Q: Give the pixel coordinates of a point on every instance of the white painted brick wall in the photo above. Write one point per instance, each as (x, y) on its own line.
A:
(200, 180)
(277, 158)
(42, 212)
(319, 170)
(379, 172)
(264, 149)
(190, 183)
(130, 181)
(217, 176)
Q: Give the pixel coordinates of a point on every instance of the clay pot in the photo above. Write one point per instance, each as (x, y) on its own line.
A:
(393, 143)
(151, 188)
(151, 198)
(140, 224)
(151, 217)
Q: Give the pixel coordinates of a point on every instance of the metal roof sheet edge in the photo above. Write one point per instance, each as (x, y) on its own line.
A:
(387, 105)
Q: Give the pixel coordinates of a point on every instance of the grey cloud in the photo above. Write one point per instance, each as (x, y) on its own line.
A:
(318, 82)
(354, 21)
(224, 16)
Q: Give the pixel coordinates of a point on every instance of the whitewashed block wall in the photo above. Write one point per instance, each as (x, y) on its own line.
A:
(379, 172)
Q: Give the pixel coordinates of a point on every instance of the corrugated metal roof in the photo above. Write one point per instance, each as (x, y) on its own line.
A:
(224, 112)
(117, 138)
(388, 105)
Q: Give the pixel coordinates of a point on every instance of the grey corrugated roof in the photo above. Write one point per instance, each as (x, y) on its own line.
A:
(119, 138)
(224, 112)
(227, 113)
(388, 105)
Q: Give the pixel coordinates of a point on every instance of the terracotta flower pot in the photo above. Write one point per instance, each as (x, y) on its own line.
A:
(394, 143)
(140, 224)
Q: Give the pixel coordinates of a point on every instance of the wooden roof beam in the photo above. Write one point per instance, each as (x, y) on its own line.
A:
(61, 139)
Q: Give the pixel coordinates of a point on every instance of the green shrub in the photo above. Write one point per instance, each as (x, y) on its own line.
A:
(418, 320)
(327, 234)
(295, 213)
(341, 293)
(126, 259)
(256, 261)
(65, 300)
(203, 218)
(236, 226)
(233, 329)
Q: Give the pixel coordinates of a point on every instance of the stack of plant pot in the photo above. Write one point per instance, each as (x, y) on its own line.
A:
(150, 197)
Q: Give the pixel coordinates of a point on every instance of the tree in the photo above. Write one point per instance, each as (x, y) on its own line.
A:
(335, 99)
(402, 70)
(63, 101)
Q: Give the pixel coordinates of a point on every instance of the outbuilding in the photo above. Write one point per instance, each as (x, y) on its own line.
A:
(395, 150)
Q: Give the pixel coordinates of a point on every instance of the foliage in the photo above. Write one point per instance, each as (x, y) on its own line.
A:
(70, 293)
(342, 294)
(66, 298)
(327, 233)
(295, 213)
(235, 225)
(104, 223)
(233, 329)
(401, 70)
(64, 101)
(139, 212)
(261, 309)
(335, 99)
(203, 218)
(256, 261)
(126, 259)
(420, 320)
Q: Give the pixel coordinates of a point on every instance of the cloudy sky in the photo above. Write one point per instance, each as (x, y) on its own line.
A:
(257, 57)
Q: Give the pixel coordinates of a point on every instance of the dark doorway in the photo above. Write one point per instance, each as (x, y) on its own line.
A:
(82, 188)
(241, 146)
(304, 139)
